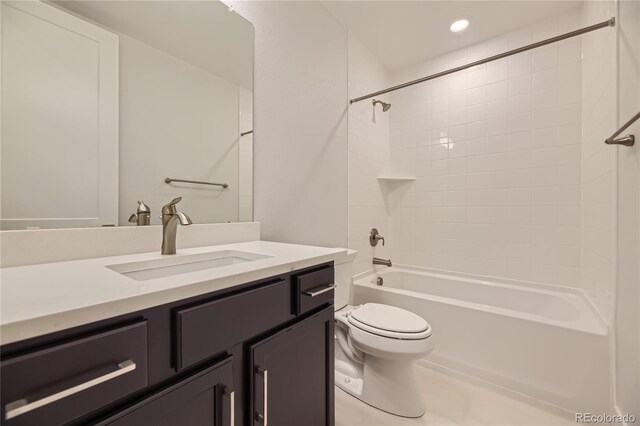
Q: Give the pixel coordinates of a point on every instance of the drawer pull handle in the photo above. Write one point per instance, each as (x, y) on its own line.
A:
(16, 408)
(264, 418)
(317, 291)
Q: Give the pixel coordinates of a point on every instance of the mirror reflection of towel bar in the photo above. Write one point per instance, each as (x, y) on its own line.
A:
(197, 182)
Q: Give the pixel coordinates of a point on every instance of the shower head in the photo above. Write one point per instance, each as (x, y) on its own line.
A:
(385, 106)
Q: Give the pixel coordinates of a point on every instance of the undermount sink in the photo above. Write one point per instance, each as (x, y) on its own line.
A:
(174, 265)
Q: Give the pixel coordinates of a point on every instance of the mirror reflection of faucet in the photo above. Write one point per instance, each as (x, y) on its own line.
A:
(142, 217)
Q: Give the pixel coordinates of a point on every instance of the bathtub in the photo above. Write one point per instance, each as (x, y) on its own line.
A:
(546, 342)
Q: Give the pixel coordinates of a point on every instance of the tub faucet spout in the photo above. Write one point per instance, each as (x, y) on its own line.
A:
(385, 262)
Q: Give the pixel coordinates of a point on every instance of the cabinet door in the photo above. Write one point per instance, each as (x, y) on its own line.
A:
(205, 398)
(292, 377)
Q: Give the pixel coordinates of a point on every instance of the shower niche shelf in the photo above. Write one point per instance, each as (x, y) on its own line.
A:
(398, 179)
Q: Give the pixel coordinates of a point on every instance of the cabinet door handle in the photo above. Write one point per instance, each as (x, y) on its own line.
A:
(316, 291)
(232, 407)
(265, 396)
(16, 408)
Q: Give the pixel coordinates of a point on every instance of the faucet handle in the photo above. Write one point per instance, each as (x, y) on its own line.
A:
(143, 208)
(374, 237)
(170, 207)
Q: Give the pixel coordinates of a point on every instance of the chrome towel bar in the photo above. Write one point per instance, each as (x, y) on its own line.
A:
(628, 140)
(197, 182)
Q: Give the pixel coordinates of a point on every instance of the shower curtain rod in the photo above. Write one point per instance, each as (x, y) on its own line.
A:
(609, 23)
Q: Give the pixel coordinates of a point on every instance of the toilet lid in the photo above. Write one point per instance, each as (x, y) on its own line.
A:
(388, 318)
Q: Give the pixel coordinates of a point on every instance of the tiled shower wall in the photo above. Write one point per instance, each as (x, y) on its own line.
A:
(599, 160)
(368, 155)
(496, 152)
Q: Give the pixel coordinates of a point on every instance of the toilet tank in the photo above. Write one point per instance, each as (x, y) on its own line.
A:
(344, 270)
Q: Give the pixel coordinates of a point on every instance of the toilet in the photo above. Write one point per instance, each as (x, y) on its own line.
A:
(376, 347)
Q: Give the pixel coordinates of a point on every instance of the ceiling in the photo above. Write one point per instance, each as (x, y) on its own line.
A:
(202, 33)
(403, 33)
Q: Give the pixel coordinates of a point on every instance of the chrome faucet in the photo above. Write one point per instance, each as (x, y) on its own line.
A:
(170, 218)
(142, 217)
(385, 262)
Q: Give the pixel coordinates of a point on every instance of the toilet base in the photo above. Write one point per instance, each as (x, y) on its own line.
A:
(387, 385)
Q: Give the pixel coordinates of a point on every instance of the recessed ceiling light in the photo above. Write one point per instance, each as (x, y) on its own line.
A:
(459, 25)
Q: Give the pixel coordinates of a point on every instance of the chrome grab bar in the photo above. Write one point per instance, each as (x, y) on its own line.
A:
(16, 408)
(628, 140)
(197, 182)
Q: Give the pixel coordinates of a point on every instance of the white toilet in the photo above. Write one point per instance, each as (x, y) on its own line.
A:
(376, 346)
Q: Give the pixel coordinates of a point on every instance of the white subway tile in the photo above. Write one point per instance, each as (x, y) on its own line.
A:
(498, 90)
(520, 85)
(545, 98)
(497, 108)
(497, 71)
(519, 104)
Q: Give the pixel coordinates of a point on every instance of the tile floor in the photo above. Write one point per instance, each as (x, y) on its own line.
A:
(452, 400)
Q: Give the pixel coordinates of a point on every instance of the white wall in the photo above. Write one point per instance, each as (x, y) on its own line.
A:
(627, 320)
(178, 121)
(300, 108)
(496, 155)
(368, 156)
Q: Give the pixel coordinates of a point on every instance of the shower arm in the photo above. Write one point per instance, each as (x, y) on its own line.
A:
(609, 23)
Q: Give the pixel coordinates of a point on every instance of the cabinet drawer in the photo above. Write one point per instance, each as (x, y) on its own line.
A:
(58, 384)
(313, 289)
(207, 329)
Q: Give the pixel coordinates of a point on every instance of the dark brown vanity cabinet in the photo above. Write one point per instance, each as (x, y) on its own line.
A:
(205, 398)
(256, 354)
(292, 374)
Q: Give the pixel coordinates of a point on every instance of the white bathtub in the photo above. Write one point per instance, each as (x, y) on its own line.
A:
(546, 342)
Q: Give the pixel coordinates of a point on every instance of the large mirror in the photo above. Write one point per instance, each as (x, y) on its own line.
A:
(107, 103)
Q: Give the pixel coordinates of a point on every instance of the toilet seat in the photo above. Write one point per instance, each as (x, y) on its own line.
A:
(389, 321)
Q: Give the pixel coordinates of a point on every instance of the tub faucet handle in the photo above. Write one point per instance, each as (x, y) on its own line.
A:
(374, 237)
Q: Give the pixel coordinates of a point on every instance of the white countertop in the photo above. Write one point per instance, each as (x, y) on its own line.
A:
(44, 298)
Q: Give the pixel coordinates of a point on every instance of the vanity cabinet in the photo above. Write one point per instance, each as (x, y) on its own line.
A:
(250, 355)
(292, 380)
(205, 398)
